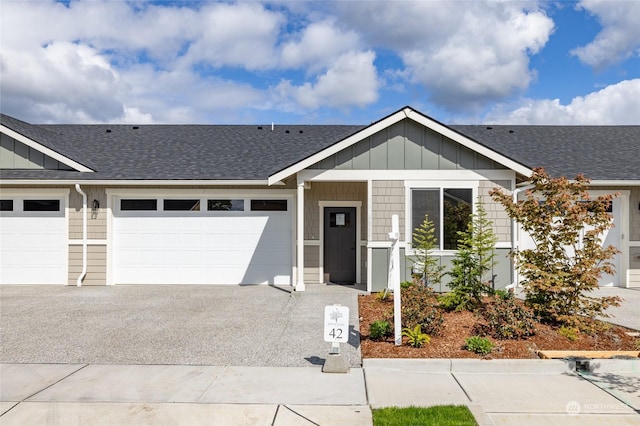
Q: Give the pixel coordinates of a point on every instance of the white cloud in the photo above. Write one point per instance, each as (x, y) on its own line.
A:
(614, 105)
(66, 77)
(464, 53)
(350, 81)
(243, 35)
(318, 45)
(620, 35)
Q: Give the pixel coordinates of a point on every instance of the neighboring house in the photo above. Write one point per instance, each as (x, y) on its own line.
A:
(223, 204)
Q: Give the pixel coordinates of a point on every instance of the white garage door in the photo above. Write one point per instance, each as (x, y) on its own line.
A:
(33, 240)
(202, 241)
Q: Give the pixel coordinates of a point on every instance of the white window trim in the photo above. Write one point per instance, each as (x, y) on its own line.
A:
(440, 185)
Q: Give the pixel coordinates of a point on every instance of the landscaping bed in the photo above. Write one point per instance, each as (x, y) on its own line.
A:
(458, 326)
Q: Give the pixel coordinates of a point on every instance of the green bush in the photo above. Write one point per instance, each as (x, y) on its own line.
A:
(415, 337)
(406, 284)
(479, 345)
(420, 307)
(570, 333)
(451, 301)
(505, 317)
(379, 330)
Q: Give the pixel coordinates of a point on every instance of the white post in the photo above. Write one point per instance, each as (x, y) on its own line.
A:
(300, 240)
(394, 278)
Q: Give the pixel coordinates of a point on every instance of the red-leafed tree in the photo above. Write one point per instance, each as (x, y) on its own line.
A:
(569, 257)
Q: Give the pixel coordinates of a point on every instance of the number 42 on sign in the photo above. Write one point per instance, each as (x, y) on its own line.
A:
(336, 324)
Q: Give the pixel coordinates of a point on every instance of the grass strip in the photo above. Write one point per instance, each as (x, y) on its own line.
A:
(441, 415)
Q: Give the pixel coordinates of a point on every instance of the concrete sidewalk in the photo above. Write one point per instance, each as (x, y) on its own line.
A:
(505, 392)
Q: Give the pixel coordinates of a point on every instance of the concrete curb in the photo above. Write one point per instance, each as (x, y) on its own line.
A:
(506, 366)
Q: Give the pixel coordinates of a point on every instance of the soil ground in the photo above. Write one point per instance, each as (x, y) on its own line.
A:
(459, 325)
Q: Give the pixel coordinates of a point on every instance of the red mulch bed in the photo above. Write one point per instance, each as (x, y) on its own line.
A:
(459, 325)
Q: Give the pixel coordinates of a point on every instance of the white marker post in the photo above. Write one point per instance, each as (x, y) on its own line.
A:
(394, 278)
(336, 331)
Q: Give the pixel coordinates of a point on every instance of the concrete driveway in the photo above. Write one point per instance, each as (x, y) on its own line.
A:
(186, 325)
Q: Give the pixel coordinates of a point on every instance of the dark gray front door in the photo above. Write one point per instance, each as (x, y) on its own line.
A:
(340, 244)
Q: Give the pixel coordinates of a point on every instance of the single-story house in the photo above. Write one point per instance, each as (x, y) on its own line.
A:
(280, 204)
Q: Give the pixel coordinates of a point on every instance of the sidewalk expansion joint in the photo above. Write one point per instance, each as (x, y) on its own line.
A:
(461, 387)
(300, 415)
(55, 383)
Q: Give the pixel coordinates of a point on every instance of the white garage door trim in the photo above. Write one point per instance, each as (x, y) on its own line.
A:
(34, 244)
(193, 247)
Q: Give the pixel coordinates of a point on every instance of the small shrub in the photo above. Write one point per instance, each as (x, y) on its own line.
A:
(420, 307)
(383, 296)
(379, 330)
(570, 333)
(415, 337)
(504, 317)
(452, 302)
(479, 345)
(406, 284)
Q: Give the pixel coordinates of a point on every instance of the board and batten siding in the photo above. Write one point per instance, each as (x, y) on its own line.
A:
(407, 145)
(16, 155)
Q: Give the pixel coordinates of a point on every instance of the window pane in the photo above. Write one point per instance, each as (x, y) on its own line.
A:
(183, 205)
(457, 211)
(144, 204)
(425, 202)
(269, 205)
(226, 205)
(6, 205)
(41, 205)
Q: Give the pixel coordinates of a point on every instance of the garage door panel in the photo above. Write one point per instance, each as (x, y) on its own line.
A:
(228, 248)
(33, 248)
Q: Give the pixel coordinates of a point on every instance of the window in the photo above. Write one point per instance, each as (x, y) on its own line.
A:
(6, 205)
(41, 205)
(135, 204)
(226, 205)
(448, 209)
(269, 205)
(182, 205)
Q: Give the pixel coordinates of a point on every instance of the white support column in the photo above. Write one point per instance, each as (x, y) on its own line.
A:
(300, 237)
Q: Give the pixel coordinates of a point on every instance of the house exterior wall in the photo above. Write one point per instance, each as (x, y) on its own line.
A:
(96, 264)
(16, 155)
(387, 199)
(495, 212)
(634, 214)
(407, 145)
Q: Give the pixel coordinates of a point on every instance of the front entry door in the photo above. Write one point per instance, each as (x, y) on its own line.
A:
(340, 244)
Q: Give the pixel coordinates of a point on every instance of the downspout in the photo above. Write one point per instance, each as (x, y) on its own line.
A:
(84, 235)
(514, 233)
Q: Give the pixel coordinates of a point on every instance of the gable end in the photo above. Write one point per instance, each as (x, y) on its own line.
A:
(407, 145)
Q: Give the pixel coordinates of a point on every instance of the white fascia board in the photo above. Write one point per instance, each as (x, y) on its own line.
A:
(316, 175)
(464, 141)
(333, 149)
(43, 149)
(136, 182)
(615, 183)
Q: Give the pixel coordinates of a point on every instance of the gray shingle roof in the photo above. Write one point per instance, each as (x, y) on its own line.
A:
(598, 152)
(252, 152)
(181, 152)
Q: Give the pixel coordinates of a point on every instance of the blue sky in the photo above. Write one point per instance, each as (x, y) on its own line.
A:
(520, 62)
